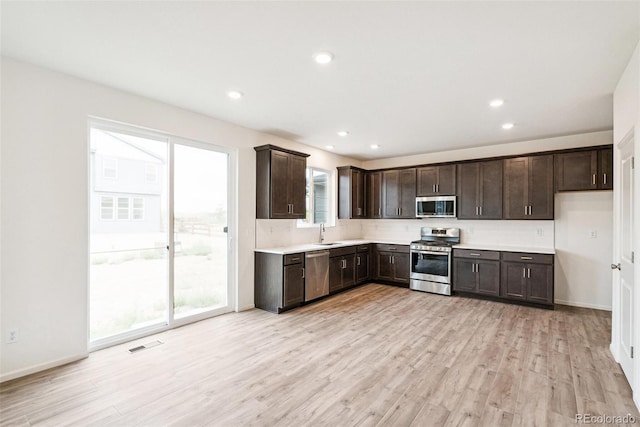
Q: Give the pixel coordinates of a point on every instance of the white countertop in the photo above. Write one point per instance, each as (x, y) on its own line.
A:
(308, 247)
(505, 248)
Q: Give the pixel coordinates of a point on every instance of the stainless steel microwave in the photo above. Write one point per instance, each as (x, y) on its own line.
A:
(436, 207)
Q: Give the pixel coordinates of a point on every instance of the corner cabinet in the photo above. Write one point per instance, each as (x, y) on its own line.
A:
(528, 188)
(280, 183)
(351, 193)
(584, 170)
(480, 190)
(399, 193)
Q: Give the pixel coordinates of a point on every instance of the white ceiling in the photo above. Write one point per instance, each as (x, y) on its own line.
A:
(413, 77)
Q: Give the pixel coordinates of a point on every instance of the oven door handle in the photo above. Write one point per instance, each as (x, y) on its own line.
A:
(432, 253)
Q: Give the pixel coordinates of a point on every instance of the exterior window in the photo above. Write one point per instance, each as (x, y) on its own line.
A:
(106, 208)
(318, 197)
(123, 208)
(137, 209)
(151, 173)
(109, 168)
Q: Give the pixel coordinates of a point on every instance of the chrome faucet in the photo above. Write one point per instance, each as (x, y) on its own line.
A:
(321, 232)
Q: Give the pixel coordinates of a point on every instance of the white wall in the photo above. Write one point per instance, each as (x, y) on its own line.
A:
(626, 118)
(44, 213)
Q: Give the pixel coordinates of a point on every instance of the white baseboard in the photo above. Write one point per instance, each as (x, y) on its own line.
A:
(584, 305)
(246, 307)
(41, 367)
(614, 352)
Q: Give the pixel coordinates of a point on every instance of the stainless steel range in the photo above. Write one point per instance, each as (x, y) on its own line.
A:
(431, 260)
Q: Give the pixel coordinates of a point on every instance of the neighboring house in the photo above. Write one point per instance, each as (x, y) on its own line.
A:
(127, 181)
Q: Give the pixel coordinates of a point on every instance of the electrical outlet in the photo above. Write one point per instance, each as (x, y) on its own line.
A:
(593, 234)
(12, 336)
(540, 232)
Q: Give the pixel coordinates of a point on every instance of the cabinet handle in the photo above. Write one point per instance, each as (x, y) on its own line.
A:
(390, 259)
(437, 188)
(604, 178)
(303, 272)
(477, 211)
(379, 211)
(477, 268)
(473, 268)
(358, 258)
(529, 210)
(393, 259)
(480, 210)
(524, 272)
(359, 211)
(593, 179)
(525, 211)
(474, 254)
(528, 273)
(392, 249)
(526, 257)
(434, 188)
(294, 260)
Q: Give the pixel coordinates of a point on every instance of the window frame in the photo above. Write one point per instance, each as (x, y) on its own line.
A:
(114, 161)
(308, 222)
(113, 205)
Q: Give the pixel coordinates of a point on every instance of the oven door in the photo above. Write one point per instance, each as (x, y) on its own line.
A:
(431, 266)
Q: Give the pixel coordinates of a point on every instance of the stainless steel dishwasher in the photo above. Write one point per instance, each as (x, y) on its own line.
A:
(316, 281)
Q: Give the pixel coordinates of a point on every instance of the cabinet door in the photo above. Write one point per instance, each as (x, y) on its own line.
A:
(446, 180)
(407, 201)
(464, 275)
(293, 285)
(488, 273)
(427, 178)
(362, 267)
(513, 280)
(357, 194)
(297, 186)
(384, 265)
(577, 171)
(490, 197)
(374, 195)
(516, 187)
(540, 187)
(401, 268)
(280, 185)
(540, 283)
(391, 194)
(335, 274)
(605, 173)
(468, 183)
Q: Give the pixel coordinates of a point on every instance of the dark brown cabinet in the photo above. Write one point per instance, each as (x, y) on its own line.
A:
(399, 193)
(584, 170)
(362, 264)
(436, 181)
(528, 187)
(279, 281)
(476, 272)
(374, 194)
(280, 183)
(480, 190)
(351, 193)
(527, 277)
(392, 263)
(342, 268)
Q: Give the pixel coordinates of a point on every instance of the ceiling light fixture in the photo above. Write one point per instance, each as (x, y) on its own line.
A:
(343, 133)
(330, 147)
(234, 94)
(323, 58)
(507, 126)
(374, 146)
(496, 103)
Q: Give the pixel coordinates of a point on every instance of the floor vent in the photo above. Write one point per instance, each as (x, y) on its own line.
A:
(144, 347)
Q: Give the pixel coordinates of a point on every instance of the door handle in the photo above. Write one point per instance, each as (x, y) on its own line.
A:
(615, 266)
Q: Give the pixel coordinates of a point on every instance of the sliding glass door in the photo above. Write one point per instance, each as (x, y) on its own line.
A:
(158, 233)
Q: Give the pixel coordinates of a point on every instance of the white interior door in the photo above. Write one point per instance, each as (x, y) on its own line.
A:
(626, 251)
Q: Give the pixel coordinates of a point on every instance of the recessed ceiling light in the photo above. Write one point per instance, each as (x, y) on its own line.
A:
(234, 94)
(343, 133)
(330, 147)
(374, 146)
(507, 126)
(323, 58)
(496, 103)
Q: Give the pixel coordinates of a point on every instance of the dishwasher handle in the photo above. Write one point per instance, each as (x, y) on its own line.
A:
(316, 254)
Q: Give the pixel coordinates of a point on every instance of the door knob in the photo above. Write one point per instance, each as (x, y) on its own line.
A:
(615, 266)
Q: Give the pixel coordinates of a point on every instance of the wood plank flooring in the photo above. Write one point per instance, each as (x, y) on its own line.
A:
(375, 355)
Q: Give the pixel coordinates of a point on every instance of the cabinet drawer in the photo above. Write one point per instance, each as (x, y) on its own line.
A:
(349, 250)
(527, 257)
(471, 253)
(362, 248)
(293, 258)
(383, 247)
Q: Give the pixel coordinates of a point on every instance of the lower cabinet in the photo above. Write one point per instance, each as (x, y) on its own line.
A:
(392, 263)
(515, 276)
(362, 264)
(279, 281)
(342, 268)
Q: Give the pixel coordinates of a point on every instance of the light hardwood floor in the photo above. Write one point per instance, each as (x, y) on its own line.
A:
(375, 355)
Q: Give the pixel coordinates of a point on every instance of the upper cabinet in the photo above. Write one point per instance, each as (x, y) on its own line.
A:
(280, 183)
(373, 184)
(480, 190)
(436, 181)
(584, 170)
(399, 193)
(351, 193)
(528, 187)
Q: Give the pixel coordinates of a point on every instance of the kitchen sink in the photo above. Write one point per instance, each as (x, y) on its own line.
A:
(327, 244)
